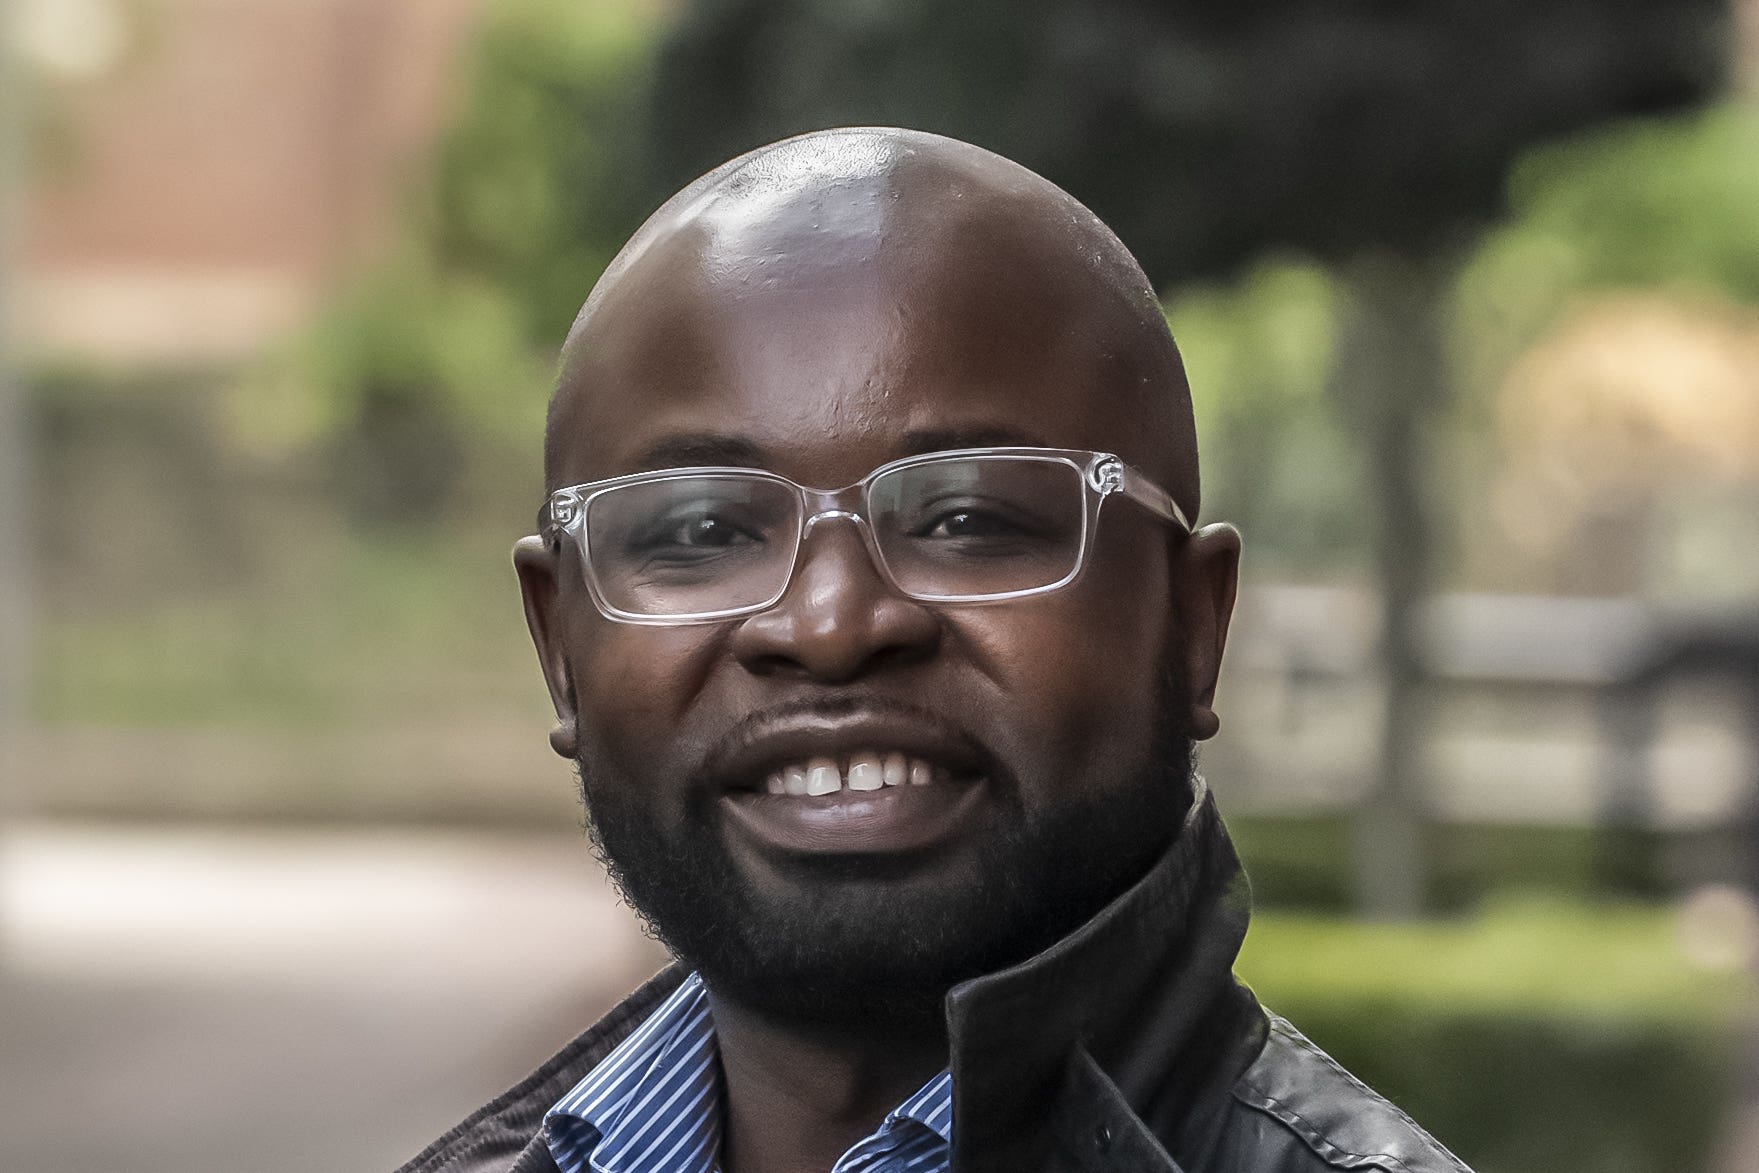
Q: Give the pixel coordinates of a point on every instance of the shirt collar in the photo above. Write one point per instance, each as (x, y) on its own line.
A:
(931, 1107)
(652, 1104)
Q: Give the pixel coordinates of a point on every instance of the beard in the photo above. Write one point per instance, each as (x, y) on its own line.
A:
(858, 946)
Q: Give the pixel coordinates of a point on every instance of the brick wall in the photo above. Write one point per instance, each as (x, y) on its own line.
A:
(234, 155)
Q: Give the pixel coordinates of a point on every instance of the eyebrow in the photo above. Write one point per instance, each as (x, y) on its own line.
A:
(701, 450)
(715, 449)
(943, 440)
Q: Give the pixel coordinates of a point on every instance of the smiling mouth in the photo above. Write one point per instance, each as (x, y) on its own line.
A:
(872, 779)
(863, 771)
(865, 802)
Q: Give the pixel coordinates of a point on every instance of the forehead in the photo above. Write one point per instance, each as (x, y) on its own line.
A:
(822, 330)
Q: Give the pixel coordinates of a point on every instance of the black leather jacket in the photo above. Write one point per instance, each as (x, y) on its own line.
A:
(1128, 1045)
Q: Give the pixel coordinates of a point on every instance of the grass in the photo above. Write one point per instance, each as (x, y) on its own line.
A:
(1526, 955)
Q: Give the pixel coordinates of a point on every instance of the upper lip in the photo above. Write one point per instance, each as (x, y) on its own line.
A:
(765, 744)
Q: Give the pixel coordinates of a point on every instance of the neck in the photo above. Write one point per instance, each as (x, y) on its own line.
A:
(797, 1099)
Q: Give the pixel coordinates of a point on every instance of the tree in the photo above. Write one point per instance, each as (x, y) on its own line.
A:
(446, 340)
(1375, 137)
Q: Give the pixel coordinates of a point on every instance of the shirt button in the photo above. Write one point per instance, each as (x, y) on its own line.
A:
(1102, 1138)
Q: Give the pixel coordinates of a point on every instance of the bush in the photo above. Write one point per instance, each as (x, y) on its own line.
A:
(1537, 1037)
(430, 367)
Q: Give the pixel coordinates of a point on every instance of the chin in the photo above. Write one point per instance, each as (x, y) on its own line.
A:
(853, 943)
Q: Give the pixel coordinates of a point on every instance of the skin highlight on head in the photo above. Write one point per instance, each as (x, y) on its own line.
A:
(792, 221)
(818, 308)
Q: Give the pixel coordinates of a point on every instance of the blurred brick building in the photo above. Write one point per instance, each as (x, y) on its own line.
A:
(203, 166)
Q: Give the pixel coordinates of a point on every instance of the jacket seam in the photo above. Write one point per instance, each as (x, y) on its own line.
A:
(1310, 1133)
(1311, 1136)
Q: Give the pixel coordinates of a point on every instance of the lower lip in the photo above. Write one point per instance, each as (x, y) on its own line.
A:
(890, 821)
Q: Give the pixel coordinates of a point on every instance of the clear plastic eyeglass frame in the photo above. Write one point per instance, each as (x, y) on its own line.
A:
(1102, 475)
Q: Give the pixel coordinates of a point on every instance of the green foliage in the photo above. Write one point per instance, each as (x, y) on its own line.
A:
(1650, 202)
(345, 630)
(211, 591)
(1538, 1036)
(1518, 956)
(1537, 1093)
(533, 187)
(1276, 462)
(408, 328)
(439, 354)
(1647, 203)
(1303, 861)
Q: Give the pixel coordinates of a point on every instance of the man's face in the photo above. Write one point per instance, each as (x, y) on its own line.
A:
(1052, 730)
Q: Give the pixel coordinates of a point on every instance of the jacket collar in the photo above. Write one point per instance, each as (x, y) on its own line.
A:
(1130, 1028)
(1117, 1046)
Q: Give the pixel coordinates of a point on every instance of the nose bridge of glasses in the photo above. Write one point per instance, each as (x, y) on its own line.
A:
(823, 504)
(845, 504)
(824, 514)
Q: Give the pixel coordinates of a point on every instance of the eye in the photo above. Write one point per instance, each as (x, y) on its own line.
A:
(706, 530)
(694, 534)
(973, 523)
(977, 520)
(701, 531)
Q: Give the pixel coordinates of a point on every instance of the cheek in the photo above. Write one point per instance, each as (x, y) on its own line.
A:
(1079, 675)
(632, 686)
(1122, 611)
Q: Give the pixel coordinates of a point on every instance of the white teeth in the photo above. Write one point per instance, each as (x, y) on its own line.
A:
(866, 772)
(822, 777)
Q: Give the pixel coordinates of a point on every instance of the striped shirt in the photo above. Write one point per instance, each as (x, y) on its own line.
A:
(653, 1106)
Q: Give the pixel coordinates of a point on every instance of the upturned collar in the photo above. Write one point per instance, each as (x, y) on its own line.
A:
(1128, 1029)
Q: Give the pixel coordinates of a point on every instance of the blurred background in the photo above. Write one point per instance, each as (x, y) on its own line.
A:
(1469, 295)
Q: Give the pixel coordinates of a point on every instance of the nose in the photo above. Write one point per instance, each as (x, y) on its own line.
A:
(840, 618)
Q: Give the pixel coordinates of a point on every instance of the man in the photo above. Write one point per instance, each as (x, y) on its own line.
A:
(900, 772)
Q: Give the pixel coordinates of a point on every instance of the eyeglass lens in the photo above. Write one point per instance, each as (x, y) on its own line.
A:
(947, 530)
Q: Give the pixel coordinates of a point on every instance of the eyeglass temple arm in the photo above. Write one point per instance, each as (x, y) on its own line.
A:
(550, 527)
(1151, 496)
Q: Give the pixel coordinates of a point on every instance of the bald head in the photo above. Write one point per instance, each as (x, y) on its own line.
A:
(957, 263)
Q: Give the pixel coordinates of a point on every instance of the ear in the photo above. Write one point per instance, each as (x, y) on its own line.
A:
(1207, 580)
(537, 564)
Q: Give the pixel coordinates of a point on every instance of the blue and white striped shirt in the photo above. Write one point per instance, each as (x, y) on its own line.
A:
(653, 1106)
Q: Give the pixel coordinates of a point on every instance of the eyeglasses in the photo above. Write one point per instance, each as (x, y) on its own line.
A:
(977, 525)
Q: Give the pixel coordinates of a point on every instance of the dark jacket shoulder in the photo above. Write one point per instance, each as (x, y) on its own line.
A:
(1296, 1109)
(506, 1134)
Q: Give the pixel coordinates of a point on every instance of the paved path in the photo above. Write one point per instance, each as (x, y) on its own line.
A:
(194, 1000)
